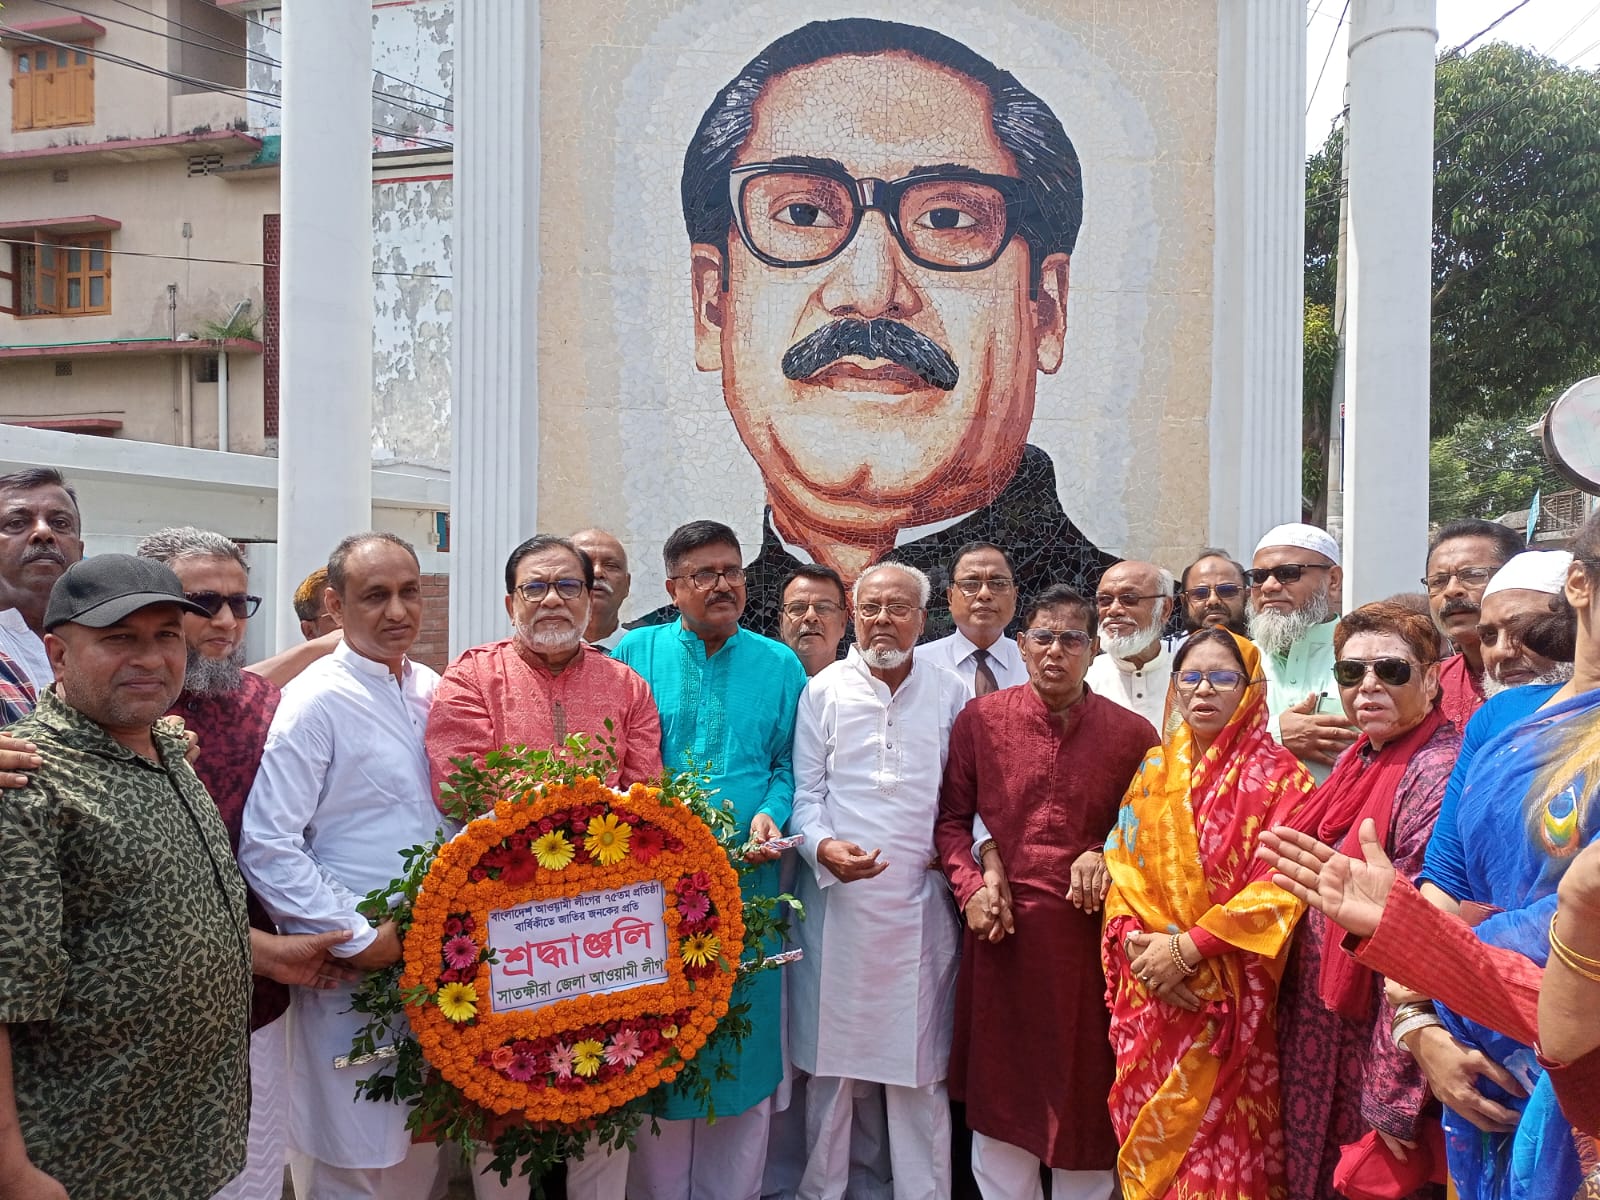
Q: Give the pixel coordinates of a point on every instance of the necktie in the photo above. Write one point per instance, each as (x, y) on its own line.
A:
(983, 680)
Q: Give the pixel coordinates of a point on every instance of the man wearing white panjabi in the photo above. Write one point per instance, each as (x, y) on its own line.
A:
(872, 1000)
(343, 788)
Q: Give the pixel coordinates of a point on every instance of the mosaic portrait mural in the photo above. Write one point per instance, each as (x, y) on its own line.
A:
(878, 283)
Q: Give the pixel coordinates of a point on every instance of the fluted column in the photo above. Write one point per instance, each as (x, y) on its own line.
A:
(494, 469)
(325, 397)
(1388, 314)
(1259, 255)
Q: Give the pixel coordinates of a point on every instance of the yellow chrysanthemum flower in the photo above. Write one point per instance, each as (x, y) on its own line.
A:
(607, 842)
(701, 949)
(458, 1001)
(553, 851)
(587, 1056)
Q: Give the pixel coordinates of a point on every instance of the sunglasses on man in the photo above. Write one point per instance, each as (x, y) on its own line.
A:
(1201, 593)
(241, 605)
(1287, 573)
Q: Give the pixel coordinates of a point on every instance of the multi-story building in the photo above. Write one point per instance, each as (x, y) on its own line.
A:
(139, 243)
(139, 232)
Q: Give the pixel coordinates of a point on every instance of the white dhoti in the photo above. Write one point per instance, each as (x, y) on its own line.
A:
(262, 1177)
(918, 1125)
(420, 1175)
(1007, 1172)
(696, 1160)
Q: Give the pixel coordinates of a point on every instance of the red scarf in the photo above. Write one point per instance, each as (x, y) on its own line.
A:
(1361, 788)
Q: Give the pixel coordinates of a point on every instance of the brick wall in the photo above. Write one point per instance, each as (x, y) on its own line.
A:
(433, 643)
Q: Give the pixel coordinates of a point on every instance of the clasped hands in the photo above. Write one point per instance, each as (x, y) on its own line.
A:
(1153, 965)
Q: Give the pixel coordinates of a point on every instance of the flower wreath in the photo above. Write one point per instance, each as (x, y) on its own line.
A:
(537, 1082)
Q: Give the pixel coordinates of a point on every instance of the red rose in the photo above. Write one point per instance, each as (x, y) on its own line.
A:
(453, 926)
(477, 874)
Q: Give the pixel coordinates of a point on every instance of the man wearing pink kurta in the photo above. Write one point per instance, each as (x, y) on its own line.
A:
(536, 689)
(544, 684)
(1044, 765)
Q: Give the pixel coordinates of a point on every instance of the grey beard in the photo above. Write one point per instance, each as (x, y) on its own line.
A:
(1275, 633)
(548, 641)
(886, 660)
(1560, 673)
(1130, 644)
(214, 676)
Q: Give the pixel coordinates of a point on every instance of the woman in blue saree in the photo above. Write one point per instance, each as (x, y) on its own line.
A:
(1529, 804)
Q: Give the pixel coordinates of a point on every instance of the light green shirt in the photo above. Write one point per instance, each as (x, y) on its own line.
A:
(1307, 668)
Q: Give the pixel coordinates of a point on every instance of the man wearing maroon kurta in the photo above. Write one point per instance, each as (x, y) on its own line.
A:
(1045, 765)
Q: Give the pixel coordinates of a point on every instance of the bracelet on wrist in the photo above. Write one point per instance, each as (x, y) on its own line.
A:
(1403, 1029)
(987, 845)
(1580, 964)
(1174, 945)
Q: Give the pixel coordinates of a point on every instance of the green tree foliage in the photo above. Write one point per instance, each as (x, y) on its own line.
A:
(1322, 348)
(1487, 467)
(1516, 261)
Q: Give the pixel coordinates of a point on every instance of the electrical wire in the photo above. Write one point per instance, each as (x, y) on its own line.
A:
(1456, 51)
(228, 262)
(400, 102)
(251, 95)
(1331, 42)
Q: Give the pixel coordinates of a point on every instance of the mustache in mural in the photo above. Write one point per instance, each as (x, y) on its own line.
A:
(877, 338)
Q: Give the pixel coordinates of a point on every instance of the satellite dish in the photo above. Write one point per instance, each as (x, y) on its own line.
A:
(1571, 434)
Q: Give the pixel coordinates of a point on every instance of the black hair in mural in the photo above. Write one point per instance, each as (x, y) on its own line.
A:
(1052, 207)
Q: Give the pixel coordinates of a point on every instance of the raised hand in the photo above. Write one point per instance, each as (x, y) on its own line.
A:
(1350, 892)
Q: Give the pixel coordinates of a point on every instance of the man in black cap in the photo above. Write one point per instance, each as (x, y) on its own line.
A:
(125, 966)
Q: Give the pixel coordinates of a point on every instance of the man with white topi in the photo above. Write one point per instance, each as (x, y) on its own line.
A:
(871, 1001)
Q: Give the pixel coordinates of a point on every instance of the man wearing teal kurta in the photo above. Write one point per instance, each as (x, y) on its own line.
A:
(727, 699)
(1293, 578)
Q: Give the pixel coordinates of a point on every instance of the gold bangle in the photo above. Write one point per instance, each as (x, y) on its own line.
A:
(1177, 956)
(1580, 964)
(988, 845)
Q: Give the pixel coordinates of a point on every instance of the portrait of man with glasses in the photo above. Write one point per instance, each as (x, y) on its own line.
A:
(880, 291)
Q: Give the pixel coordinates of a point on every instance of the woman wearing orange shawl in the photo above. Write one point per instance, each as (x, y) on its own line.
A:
(1196, 935)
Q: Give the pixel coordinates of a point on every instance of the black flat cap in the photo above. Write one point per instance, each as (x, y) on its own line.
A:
(102, 590)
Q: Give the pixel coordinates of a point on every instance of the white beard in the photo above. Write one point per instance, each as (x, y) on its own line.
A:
(1275, 633)
(1129, 645)
(886, 660)
(1560, 673)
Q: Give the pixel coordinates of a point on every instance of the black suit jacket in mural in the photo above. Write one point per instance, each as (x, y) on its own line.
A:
(1025, 519)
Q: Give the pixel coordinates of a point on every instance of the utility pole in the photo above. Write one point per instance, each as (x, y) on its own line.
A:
(1390, 262)
(1334, 474)
(325, 402)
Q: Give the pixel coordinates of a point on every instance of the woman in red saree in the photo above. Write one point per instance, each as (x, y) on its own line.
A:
(1195, 938)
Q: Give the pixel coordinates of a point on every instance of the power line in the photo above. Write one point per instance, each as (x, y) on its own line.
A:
(231, 52)
(227, 262)
(1580, 22)
(1514, 8)
(247, 94)
(449, 101)
(1331, 41)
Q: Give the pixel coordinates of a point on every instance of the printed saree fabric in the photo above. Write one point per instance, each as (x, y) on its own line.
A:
(1530, 802)
(1196, 1099)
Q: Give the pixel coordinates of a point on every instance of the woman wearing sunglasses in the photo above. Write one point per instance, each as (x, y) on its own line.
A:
(1193, 957)
(1346, 1081)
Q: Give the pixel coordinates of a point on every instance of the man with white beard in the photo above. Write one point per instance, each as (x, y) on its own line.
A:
(1134, 664)
(612, 582)
(1293, 576)
(535, 689)
(872, 1000)
(1518, 600)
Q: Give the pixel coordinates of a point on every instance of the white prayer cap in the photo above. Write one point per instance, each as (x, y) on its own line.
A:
(1307, 537)
(1533, 570)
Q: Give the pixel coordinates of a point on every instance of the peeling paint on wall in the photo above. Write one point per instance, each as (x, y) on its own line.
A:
(412, 318)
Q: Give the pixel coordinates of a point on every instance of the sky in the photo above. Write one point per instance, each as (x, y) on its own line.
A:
(1566, 30)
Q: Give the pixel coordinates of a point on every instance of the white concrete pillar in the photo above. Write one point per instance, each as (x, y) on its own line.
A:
(1258, 270)
(1387, 321)
(325, 393)
(494, 458)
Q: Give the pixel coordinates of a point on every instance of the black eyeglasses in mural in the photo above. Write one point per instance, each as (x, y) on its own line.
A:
(803, 214)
